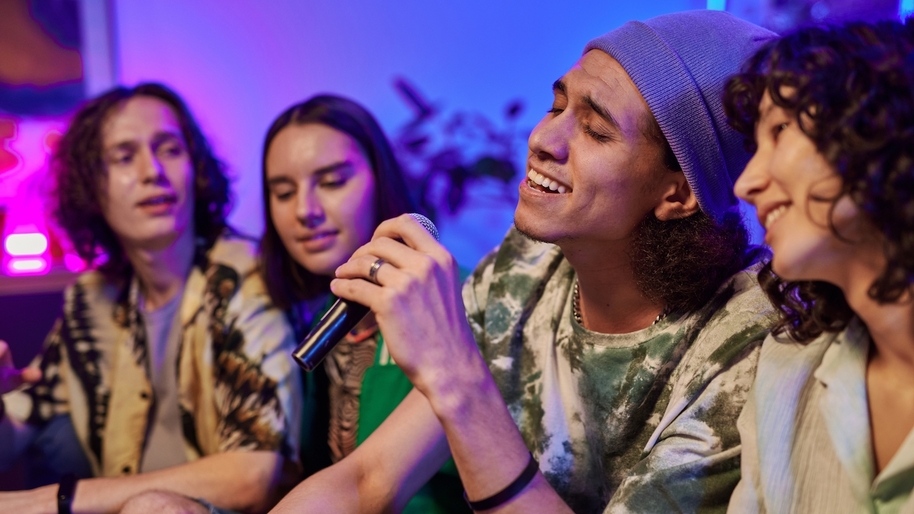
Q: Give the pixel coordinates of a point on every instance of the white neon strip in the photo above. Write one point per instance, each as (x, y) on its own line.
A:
(717, 5)
(30, 243)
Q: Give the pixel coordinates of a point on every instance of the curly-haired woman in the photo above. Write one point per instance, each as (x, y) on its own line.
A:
(830, 112)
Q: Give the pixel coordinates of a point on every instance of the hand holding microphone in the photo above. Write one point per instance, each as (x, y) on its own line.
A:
(343, 316)
(417, 302)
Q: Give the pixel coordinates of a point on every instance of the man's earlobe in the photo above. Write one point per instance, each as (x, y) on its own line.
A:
(678, 202)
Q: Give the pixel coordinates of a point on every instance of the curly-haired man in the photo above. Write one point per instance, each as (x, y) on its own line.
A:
(169, 368)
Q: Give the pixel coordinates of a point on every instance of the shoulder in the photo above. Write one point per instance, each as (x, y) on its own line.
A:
(521, 256)
(480, 278)
(786, 364)
(232, 268)
(512, 271)
(785, 375)
(235, 252)
(516, 262)
(91, 291)
(727, 332)
(92, 281)
(784, 380)
(739, 313)
(743, 294)
(233, 296)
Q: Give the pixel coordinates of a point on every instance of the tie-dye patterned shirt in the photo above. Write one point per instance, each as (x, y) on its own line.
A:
(238, 389)
(638, 422)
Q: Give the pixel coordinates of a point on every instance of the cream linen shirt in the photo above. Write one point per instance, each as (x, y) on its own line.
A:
(806, 435)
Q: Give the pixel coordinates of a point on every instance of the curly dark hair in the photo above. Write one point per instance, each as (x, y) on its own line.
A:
(698, 251)
(78, 166)
(852, 89)
(287, 281)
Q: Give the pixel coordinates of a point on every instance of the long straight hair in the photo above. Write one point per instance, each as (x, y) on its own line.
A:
(287, 281)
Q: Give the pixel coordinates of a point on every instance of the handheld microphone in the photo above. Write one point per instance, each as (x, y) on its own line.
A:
(342, 317)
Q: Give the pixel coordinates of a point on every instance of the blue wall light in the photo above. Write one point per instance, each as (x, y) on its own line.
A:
(721, 5)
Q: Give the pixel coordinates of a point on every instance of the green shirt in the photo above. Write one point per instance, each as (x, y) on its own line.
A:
(379, 389)
(638, 422)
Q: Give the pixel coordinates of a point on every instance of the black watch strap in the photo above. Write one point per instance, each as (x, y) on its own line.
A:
(65, 493)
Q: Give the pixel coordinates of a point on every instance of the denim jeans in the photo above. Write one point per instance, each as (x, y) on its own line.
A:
(54, 452)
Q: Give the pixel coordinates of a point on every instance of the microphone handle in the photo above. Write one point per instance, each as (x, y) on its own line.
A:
(342, 317)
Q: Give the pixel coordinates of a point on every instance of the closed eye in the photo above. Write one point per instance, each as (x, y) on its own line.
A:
(122, 157)
(333, 182)
(282, 188)
(172, 150)
(600, 138)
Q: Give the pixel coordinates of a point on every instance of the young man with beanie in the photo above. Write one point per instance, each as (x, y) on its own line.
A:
(613, 335)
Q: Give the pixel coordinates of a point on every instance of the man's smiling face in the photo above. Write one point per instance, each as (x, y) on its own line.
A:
(592, 152)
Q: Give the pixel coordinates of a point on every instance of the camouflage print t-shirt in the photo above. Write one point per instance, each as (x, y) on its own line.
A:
(638, 422)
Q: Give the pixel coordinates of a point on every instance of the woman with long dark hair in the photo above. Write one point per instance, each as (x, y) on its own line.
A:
(829, 426)
(329, 178)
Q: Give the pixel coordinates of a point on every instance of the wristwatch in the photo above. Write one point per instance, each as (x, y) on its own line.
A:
(65, 494)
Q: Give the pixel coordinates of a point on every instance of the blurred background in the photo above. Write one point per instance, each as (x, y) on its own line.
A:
(457, 86)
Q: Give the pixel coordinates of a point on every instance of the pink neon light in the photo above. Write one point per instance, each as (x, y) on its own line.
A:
(24, 266)
(8, 158)
(73, 263)
(29, 243)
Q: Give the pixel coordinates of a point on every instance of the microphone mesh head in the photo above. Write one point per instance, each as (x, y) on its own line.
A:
(427, 224)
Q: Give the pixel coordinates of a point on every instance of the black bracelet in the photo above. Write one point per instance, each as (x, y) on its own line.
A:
(509, 492)
(65, 494)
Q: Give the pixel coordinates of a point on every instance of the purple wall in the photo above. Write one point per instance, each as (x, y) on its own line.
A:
(239, 63)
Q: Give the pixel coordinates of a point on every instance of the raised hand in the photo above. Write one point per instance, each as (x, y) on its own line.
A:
(10, 377)
(415, 295)
(416, 300)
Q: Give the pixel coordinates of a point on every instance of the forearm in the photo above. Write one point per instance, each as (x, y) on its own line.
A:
(384, 472)
(334, 489)
(416, 299)
(485, 442)
(242, 481)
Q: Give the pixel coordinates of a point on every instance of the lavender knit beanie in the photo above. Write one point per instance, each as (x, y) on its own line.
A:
(680, 63)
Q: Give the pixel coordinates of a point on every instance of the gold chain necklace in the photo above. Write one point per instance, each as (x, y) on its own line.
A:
(576, 307)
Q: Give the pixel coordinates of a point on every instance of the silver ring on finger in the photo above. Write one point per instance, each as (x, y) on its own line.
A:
(373, 272)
